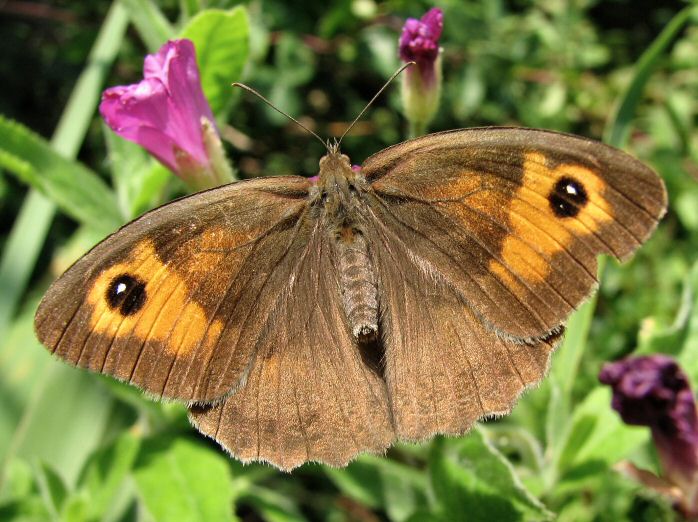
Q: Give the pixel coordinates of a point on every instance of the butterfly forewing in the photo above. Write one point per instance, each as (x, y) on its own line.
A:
(171, 301)
(513, 219)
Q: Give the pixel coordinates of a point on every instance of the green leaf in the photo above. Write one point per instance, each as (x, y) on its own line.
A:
(64, 420)
(20, 500)
(151, 24)
(76, 509)
(679, 340)
(72, 186)
(598, 438)
(468, 475)
(183, 480)
(382, 484)
(271, 505)
(22, 363)
(105, 473)
(222, 46)
(17, 482)
(688, 356)
(53, 489)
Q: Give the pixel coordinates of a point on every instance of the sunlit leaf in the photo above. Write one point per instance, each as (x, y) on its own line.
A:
(181, 480)
(222, 45)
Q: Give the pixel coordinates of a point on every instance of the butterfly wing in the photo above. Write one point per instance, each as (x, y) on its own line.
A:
(173, 301)
(513, 219)
(311, 395)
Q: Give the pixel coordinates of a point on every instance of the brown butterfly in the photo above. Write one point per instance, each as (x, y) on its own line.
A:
(311, 320)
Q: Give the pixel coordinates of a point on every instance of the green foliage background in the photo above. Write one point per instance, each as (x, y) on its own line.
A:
(76, 446)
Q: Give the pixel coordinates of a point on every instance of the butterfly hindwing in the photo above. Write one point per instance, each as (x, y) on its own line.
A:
(172, 300)
(513, 219)
(444, 369)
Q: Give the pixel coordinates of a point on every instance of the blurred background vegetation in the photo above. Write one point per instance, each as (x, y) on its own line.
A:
(78, 447)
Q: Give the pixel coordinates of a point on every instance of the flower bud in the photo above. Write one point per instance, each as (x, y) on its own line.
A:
(421, 83)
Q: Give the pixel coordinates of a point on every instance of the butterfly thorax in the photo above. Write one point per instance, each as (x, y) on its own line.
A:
(339, 198)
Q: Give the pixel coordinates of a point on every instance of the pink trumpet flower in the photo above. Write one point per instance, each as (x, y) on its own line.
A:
(167, 114)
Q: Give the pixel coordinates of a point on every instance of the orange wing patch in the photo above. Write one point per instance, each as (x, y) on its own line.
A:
(539, 228)
(163, 310)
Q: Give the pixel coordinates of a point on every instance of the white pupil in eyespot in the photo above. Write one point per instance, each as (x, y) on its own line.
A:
(120, 288)
(571, 189)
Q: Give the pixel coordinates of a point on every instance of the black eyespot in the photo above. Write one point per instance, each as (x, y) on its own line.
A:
(126, 293)
(568, 197)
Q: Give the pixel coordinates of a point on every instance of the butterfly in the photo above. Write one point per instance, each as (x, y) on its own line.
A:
(312, 319)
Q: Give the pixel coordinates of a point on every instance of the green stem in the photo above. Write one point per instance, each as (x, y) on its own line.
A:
(416, 129)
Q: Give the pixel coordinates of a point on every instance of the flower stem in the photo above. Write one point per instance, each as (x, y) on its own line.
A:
(417, 129)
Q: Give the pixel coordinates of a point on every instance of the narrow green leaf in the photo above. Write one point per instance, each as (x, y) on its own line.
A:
(469, 475)
(688, 356)
(565, 366)
(618, 131)
(18, 259)
(31, 226)
(184, 481)
(152, 26)
(52, 488)
(76, 189)
(222, 46)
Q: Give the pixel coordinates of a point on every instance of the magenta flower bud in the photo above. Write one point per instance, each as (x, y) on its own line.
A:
(421, 84)
(653, 391)
(167, 114)
(419, 41)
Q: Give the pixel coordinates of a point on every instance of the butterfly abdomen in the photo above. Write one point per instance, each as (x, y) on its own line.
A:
(358, 283)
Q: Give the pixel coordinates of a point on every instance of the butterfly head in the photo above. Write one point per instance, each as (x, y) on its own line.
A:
(338, 184)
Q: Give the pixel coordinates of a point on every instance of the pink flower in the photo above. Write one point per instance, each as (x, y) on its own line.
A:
(419, 41)
(168, 115)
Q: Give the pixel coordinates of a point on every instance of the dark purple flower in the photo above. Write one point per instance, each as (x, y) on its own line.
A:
(419, 41)
(653, 391)
(167, 114)
(421, 84)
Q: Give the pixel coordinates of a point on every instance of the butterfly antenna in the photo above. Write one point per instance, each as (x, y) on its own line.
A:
(294, 120)
(395, 74)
